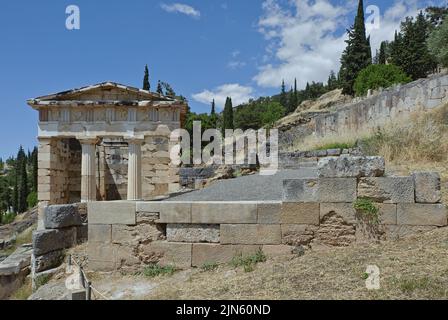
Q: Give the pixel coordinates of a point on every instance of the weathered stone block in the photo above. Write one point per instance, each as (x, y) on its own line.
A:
(61, 216)
(224, 212)
(113, 212)
(194, 233)
(174, 212)
(427, 187)
(387, 213)
(422, 214)
(82, 233)
(102, 257)
(320, 190)
(301, 190)
(277, 250)
(396, 232)
(334, 152)
(351, 167)
(168, 253)
(47, 261)
(300, 213)
(250, 234)
(101, 233)
(216, 253)
(337, 190)
(344, 210)
(269, 213)
(296, 235)
(387, 189)
(45, 241)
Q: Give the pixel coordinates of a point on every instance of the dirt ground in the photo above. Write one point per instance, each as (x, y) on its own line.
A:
(412, 268)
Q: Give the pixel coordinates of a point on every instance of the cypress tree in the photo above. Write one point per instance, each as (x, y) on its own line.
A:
(382, 56)
(213, 108)
(283, 96)
(357, 55)
(34, 166)
(23, 188)
(146, 84)
(296, 93)
(228, 115)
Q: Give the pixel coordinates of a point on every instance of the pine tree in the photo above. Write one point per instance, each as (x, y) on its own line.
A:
(146, 84)
(332, 81)
(159, 88)
(382, 56)
(357, 55)
(283, 96)
(228, 115)
(409, 50)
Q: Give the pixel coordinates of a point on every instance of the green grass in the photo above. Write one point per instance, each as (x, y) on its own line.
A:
(432, 287)
(7, 218)
(42, 280)
(368, 210)
(248, 262)
(155, 270)
(337, 145)
(209, 266)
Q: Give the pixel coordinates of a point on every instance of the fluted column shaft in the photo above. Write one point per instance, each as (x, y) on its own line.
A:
(135, 170)
(88, 172)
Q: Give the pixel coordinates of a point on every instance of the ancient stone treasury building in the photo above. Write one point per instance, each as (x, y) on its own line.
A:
(105, 142)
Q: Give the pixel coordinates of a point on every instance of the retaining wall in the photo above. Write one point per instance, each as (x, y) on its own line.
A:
(128, 235)
(394, 103)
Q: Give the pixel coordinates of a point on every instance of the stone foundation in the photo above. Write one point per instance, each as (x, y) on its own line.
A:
(129, 235)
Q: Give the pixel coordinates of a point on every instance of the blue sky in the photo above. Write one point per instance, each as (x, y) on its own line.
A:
(204, 48)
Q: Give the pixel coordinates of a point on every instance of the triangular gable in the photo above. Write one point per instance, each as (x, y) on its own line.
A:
(106, 91)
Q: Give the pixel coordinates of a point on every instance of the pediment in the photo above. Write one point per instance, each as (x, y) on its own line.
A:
(106, 91)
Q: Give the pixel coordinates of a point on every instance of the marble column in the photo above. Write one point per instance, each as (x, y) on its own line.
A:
(135, 169)
(88, 173)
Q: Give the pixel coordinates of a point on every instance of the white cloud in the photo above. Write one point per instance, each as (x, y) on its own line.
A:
(181, 8)
(236, 64)
(239, 94)
(305, 38)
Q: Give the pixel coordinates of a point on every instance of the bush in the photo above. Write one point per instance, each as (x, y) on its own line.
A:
(438, 43)
(32, 199)
(209, 266)
(368, 209)
(7, 218)
(379, 76)
(248, 262)
(337, 145)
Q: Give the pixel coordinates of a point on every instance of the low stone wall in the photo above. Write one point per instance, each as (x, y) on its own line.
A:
(392, 104)
(129, 235)
(301, 159)
(65, 226)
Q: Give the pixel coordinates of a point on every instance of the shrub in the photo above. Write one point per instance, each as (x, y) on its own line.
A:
(209, 266)
(7, 218)
(154, 270)
(379, 76)
(248, 262)
(438, 43)
(368, 209)
(337, 145)
(32, 199)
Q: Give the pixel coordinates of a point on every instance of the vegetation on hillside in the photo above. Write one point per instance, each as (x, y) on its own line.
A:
(18, 185)
(379, 76)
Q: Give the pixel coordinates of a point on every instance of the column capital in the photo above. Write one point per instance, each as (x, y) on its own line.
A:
(88, 140)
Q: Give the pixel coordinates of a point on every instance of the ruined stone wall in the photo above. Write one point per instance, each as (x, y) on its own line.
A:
(59, 176)
(395, 103)
(129, 235)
